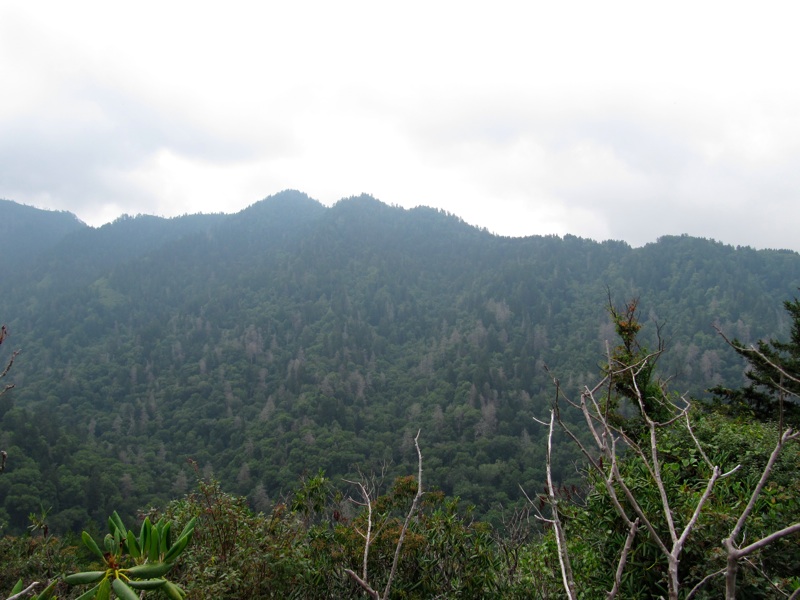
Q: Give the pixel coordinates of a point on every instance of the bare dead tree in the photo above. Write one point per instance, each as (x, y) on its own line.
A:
(368, 488)
(561, 541)
(736, 553)
(363, 580)
(513, 537)
(555, 521)
(5, 388)
(608, 438)
(786, 434)
(9, 364)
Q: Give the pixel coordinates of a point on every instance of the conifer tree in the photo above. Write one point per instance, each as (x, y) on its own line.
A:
(632, 367)
(773, 375)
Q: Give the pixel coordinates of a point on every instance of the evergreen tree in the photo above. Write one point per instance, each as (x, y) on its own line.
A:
(632, 368)
(773, 374)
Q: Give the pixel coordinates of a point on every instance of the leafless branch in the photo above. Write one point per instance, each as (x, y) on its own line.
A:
(364, 585)
(773, 457)
(766, 577)
(515, 534)
(753, 350)
(623, 558)
(368, 535)
(5, 388)
(9, 365)
(24, 593)
(567, 576)
(697, 443)
(362, 581)
(561, 540)
(766, 541)
(410, 515)
(702, 582)
(607, 436)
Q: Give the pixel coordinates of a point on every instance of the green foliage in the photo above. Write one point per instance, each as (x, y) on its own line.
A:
(45, 594)
(631, 367)
(445, 552)
(691, 452)
(132, 564)
(596, 533)
(239, 554)
(293, 337)
(773, 369)
(301, 548)
(633, 376)
(36, 558)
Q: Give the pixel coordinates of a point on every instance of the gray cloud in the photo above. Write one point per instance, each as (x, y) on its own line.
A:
(633, 171)
(591, 126)
(73, 150)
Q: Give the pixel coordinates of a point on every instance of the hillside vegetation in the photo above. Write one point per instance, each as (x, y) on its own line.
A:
(292, 338)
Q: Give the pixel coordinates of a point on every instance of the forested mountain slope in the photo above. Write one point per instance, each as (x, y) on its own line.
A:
(292, 337)
(27, 232)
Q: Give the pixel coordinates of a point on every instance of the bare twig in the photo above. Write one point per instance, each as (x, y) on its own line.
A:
(9, 364)
(410, 515)
(731, 539)
(362, 581)
(753, 350)
(702, 582)
(606, 437)
(623, 558)
(561, 539)
(24, 593)
(368, 535)
(567, 576)
(5, 388)
(364, 585)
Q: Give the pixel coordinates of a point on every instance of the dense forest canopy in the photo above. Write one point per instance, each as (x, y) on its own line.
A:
(292, 337)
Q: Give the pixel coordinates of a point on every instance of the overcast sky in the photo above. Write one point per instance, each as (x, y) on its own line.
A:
(621, 120)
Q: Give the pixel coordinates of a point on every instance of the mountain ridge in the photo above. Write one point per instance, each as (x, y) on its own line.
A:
(292, 337)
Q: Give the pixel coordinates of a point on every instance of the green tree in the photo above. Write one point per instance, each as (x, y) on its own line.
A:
(685, 482)
(631, 368)
(773, 372)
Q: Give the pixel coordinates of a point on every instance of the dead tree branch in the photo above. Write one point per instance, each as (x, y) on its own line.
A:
(410, 515)
(4, 389)
(735, 554)
(24, 593)
(368, 534)
(363, 581)
(753, 350)
(623, 558)
(561, 539)
(607, 434)
(9, 364)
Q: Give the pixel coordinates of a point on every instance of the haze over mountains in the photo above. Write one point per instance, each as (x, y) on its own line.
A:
(292, 337)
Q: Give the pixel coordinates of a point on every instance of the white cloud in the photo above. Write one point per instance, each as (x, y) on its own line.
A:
(619, 119)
